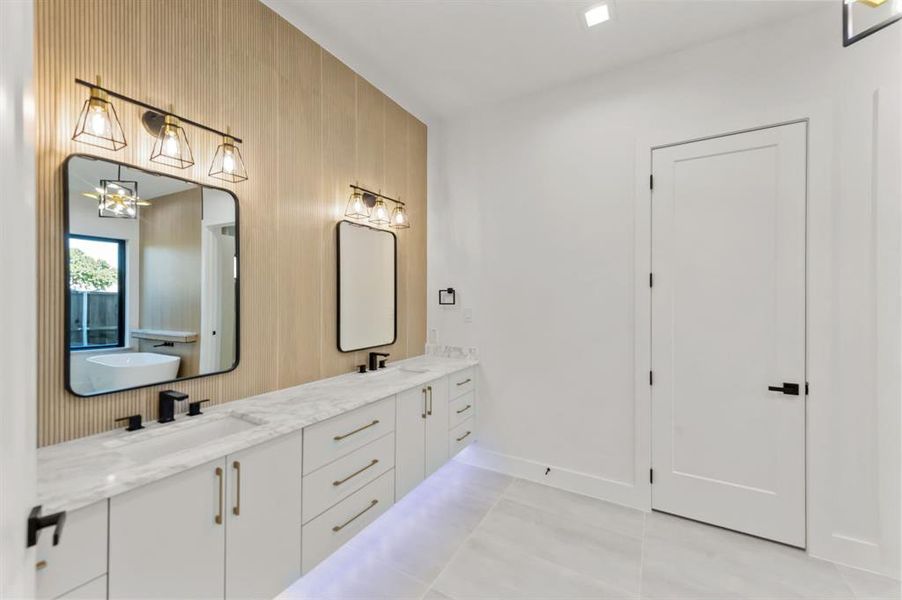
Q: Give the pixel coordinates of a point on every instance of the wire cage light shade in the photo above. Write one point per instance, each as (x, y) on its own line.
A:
(379, 214)
(228, 165)
(171, 147)
(399, 218)
(357, 207)
(98, 124)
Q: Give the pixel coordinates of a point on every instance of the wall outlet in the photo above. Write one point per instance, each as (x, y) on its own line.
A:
(468, 315)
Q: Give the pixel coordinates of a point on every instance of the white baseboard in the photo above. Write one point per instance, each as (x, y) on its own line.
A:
(609, 490)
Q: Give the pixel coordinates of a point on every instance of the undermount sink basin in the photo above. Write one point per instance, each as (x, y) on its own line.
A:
(183, 438)
(399, 370)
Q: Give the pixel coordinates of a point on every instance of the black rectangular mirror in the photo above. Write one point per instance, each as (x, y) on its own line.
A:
(151, 267)
(367, 287)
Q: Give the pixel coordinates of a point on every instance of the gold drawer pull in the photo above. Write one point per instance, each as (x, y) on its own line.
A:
(465, 408)
(41, 564)
(338, 438)
(218, 518)
(374, 462)
(236, 510)
(465, 381)
(464, 435)
(338, 528)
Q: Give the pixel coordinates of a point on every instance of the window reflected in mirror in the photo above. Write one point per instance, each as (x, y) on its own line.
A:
(152, 277)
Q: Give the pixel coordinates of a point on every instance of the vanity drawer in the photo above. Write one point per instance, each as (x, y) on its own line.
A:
(326, 533)
(341, 435)
(461, 436)
(462, 408)
(462, 382)
(80, 555)
(339, 479)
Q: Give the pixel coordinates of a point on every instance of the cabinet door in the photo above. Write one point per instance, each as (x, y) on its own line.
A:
(165, 541)
(410, 440)
(263, 551)
(436, 425)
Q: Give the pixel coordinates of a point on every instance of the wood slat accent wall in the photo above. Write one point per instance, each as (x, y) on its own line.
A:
(310, 127)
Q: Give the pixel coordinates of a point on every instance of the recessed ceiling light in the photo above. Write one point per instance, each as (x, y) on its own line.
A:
(597, 14)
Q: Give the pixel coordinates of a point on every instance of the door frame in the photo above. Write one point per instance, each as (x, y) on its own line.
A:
(818, 116)
(804, 395)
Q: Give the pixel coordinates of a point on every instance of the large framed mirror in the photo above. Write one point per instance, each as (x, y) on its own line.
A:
(151, 277)
(367, 287)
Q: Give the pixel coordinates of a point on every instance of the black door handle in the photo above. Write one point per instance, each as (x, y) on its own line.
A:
(36, 523)
(790, 389)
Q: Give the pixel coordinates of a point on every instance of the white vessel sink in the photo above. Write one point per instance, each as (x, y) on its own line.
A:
(121, 370)
(183, 438)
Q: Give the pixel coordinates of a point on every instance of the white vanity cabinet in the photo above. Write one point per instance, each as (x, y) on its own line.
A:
(263, 518)
(78, 560)
(421, 434)
(229, 528)
(167, 539)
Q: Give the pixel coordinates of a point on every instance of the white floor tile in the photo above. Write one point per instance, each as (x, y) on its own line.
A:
(487, 567)
(868, 586)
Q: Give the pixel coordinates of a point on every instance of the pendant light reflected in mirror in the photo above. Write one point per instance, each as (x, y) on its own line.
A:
(98, 124)
(171, 147)
(227, 162)
(117, 198)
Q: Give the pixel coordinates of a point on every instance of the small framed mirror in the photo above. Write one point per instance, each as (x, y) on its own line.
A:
(367, 287)
(151, 272)
(861, 18)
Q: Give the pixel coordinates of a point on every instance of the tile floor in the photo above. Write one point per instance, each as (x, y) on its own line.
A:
(471, 533)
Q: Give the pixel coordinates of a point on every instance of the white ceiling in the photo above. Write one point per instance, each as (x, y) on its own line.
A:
(439, 58)
(85, 175)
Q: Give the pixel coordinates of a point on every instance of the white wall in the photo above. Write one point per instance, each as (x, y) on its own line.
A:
(18, 379)
(535, 217)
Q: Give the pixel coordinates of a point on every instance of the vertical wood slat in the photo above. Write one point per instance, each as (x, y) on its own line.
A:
(311, 126)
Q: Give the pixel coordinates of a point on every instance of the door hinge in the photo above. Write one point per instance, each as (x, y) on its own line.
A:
(651, 378)
(651, 182)
(651, 280)
(651, 476)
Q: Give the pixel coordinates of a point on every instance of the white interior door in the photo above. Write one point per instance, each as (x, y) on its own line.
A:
(728, 323)
(18, 403)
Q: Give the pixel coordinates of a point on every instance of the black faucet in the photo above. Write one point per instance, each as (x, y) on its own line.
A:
(375, 363)
(168, 399)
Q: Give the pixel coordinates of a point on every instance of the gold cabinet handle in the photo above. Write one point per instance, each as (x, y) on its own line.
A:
(465, 381)
(236, 510)
(429, 412)
(464, 435)
(218, 518)
(338, 438)
(465, 408)
(41, 564)
(338, 528)
(373, 463)
(424, 404)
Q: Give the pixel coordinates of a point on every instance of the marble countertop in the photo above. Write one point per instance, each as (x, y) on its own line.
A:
(75, 474)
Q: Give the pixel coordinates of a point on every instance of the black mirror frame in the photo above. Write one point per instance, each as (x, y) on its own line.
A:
(66, 303)
(848, 41)
(338, 286)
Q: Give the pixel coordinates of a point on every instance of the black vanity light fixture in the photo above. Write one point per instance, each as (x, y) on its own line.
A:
(99, 125)
(369, 205)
